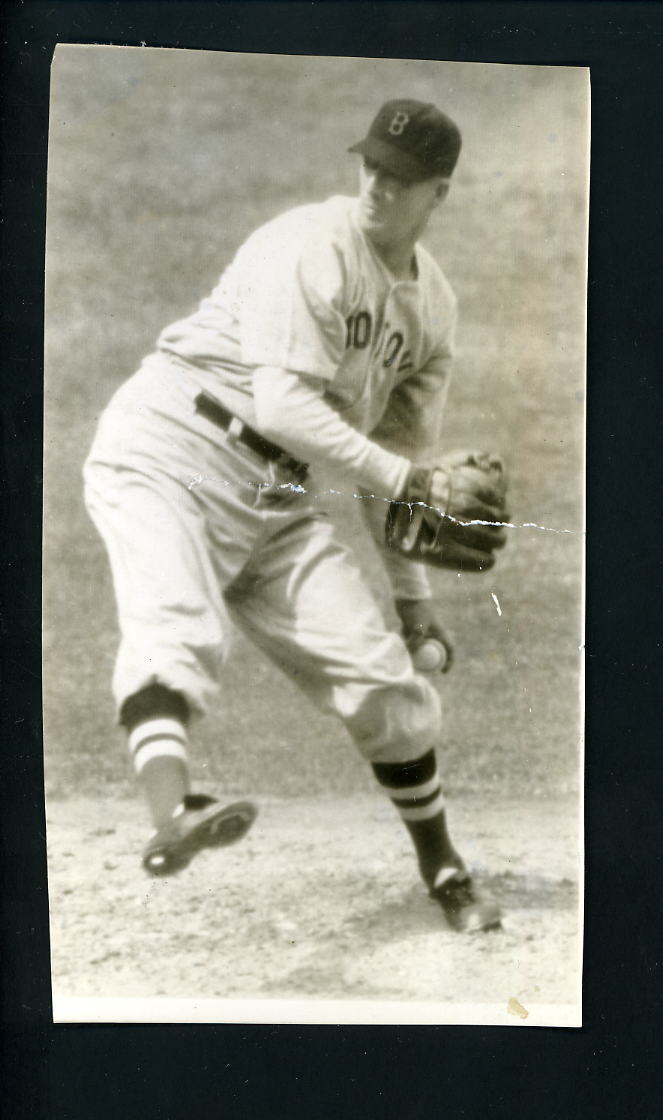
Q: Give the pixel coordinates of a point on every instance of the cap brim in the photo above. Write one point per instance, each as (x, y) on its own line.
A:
(392, 159)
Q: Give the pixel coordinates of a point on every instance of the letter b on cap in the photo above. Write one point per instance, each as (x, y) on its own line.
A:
(398, 123)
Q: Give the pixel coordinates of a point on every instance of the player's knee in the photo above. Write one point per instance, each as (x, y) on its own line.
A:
(151, 702)
(397, 723)
(183, 696)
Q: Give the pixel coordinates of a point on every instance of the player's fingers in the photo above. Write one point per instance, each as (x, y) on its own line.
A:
(473, 509)
(481, 489)
(436, 630)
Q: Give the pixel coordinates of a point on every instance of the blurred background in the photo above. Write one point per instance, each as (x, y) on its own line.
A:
(160, 163)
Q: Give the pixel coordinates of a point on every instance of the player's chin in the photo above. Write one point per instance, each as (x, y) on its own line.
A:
(377, 229)
(370, 219)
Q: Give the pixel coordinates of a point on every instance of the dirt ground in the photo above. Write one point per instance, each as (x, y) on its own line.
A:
(320, 902)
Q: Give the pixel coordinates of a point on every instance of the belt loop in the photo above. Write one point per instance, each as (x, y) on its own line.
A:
(234, 430)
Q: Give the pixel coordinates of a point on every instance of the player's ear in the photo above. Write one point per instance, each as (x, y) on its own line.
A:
(442, 190)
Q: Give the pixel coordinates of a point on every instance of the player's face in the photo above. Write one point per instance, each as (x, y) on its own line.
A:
(393, 211)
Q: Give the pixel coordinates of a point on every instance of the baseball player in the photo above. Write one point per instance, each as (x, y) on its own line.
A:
(327, 343)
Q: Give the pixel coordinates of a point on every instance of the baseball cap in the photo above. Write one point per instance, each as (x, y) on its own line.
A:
(412, 139)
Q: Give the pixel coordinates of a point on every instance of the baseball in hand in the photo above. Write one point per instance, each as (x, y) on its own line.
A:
(430, 656)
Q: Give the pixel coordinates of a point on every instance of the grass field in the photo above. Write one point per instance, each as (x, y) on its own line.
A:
(160, 163)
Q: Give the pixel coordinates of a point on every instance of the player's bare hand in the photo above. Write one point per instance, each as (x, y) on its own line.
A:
(421, 622)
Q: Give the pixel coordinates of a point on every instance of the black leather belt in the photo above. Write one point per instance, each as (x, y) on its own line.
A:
(218, 414)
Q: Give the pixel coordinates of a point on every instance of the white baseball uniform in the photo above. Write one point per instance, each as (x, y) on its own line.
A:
(310, 340)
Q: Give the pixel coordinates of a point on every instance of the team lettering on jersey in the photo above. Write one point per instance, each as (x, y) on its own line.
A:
(387, 345)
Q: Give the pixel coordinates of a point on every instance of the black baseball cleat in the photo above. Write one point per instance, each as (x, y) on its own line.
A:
(465, 910)
(198, 822)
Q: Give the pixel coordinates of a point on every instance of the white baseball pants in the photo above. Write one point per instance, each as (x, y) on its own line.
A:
(199, 529)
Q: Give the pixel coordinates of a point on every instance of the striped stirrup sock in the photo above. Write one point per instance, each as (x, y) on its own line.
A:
(416, 791)
(414, 787)
(163, 737)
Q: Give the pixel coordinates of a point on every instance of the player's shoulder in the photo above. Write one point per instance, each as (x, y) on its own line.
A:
(434, 281)
(315, 242)
(302, 226)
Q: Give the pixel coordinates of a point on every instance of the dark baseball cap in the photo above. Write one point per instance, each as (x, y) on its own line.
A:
(412, 139)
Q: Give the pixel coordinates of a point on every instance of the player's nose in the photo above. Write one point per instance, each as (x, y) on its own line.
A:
(377, 182)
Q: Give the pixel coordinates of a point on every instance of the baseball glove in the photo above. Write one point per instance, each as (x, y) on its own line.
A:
(452, 514)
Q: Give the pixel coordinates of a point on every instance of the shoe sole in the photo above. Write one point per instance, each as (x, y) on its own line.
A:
(218, 827)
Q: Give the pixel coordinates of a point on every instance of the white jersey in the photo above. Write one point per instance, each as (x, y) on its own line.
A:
(307, 293)
(305, 297)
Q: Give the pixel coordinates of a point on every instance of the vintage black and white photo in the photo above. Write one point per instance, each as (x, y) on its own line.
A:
(314, 538)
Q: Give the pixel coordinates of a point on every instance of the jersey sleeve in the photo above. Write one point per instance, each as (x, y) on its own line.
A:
(291, 295)
(291, 410)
